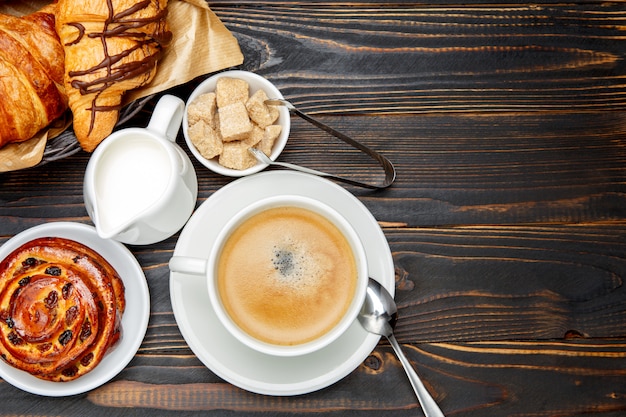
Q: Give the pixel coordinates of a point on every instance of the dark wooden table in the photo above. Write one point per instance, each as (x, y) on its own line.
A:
(507, 222)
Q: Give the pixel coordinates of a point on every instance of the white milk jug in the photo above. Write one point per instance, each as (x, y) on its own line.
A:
(140, 187)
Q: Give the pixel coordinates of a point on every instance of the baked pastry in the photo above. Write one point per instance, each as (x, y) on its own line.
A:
(61, 305)
(32, 94)
(110, 47)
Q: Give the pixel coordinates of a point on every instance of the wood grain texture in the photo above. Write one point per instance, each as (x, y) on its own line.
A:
(507, 222)
(445, 368)
(425, 58)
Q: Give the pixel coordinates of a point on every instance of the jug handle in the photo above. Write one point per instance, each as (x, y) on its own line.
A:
(167, 117)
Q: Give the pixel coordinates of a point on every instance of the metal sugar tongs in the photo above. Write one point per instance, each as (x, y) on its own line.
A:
(390, 171)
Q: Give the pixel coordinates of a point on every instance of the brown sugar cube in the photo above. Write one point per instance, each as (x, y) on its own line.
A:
(206, 140)
(255, 136)
(259, 112)
(203, 108)
(234, 122)
(270, 134)
(231, 90)
(235, 155)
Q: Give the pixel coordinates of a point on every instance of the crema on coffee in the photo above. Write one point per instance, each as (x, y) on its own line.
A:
(286, 275)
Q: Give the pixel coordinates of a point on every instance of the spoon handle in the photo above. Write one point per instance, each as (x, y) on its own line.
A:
(429, 406)
(322, 174)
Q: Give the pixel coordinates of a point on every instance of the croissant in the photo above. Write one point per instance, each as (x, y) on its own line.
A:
(111, 46)
(31, 75)
(60, 308)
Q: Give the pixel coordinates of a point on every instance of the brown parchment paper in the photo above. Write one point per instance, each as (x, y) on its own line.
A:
(201, 44)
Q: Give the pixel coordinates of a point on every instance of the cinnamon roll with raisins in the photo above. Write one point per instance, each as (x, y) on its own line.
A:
(61, 305)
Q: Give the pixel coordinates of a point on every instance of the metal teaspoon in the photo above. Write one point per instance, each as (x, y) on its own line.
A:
(379, 315)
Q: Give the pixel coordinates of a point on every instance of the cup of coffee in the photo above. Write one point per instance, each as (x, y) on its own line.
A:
(286, 275)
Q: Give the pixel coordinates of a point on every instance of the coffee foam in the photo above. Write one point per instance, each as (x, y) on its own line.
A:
(288, 276)
(297, 265)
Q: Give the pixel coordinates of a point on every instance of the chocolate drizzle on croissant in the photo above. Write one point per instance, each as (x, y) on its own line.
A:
(60, 308)
(109, 50)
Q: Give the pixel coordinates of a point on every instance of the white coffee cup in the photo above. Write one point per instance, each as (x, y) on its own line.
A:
(140, 187)
(208, 268)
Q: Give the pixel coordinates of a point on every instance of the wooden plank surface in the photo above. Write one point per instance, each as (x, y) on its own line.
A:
(424, 58)
(507, 222)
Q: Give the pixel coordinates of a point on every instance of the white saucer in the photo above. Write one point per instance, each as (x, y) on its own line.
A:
(211, 342)
(134, 320)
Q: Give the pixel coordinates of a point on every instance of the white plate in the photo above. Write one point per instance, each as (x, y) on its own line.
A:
(220, 351)
(134, 320)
